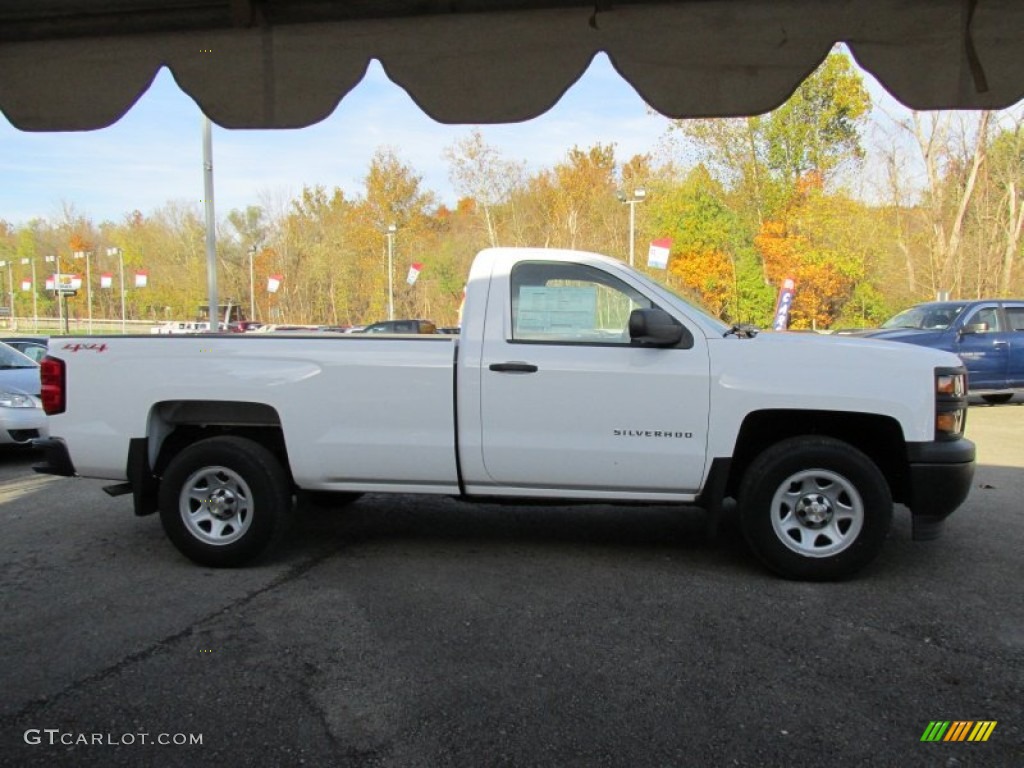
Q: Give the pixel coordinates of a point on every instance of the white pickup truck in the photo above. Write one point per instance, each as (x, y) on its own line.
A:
(574, 378)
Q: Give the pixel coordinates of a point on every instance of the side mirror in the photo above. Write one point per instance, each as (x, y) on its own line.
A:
(657, 328)
(974, 328)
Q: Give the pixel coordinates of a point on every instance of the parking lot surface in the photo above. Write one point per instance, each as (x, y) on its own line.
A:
(413, 631)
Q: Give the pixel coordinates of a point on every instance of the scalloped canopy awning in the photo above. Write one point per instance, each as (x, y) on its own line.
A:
(67, 65)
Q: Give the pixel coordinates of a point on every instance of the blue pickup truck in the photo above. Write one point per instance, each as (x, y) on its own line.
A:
(987, 334)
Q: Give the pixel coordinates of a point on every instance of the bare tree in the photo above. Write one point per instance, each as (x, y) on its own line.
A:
(479, 172)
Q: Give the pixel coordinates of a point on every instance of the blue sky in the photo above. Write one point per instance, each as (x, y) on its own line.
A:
(154, 153)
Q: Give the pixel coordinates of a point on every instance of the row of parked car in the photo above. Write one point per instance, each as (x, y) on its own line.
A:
(987, 334)
(385, 326)
(21, 412)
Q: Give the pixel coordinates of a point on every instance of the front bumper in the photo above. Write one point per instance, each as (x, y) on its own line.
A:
(941, 473)
(20, 426)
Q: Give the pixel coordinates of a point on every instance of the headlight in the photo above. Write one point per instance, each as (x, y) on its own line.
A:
(950, 403)
(950, 423)
(16, 400)
(952, 384)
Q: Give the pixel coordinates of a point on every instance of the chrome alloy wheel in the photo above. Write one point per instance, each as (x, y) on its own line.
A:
(216, 505)
(817, 513)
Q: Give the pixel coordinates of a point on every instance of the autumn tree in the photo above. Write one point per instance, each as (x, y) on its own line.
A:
(694, 216)
(479, 172)
(812, 245)
(1005, 182)
(762, 158)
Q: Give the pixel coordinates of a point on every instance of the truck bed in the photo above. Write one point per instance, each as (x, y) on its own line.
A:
(368, 409)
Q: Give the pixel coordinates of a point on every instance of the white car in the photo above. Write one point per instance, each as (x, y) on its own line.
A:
(21, 411)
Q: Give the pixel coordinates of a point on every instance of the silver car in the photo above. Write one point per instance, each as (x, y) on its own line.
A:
(21, 411)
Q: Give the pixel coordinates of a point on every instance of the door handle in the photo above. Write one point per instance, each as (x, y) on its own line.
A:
(513, 367)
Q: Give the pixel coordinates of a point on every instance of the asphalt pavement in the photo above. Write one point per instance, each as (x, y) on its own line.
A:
(413, 631)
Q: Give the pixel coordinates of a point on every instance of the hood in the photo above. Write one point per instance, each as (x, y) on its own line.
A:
(817, 364)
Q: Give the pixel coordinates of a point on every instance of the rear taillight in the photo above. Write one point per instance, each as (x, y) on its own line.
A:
(51, 374)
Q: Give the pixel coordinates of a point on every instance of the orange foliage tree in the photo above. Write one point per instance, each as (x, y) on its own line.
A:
(821, 284)
(708, 272)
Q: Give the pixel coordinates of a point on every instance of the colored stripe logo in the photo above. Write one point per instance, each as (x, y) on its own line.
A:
(958, 730)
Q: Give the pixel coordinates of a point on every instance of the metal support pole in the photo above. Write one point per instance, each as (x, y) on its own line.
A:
(115, 251)
(10, 285)
(391, 257)
(637, 197)
(60, 294)
(35, 295)
(88, 286)
(252, 284)
(632, 229)
(55, 259)
(211, 226)
(87, 255)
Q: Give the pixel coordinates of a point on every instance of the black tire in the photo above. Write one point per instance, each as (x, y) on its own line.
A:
(223, 501)
(997, 399)
(814, 508)
(328, 499)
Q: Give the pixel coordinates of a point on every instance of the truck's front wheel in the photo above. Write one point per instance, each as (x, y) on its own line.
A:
(815, 508)
(224, 500)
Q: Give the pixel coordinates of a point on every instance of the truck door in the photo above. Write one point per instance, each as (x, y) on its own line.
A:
(985, 351)
(568, 403)
(1015, 332)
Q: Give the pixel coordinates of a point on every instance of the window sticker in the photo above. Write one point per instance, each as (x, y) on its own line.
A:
(561, 311)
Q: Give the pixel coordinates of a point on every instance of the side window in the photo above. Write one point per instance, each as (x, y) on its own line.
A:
(987, 315)
(571, 303)
(1015, 316)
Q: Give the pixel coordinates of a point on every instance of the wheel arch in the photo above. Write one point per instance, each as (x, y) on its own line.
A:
(176, 424)
(878, 437)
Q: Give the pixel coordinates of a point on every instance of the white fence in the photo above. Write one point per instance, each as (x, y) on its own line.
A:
(52, 326)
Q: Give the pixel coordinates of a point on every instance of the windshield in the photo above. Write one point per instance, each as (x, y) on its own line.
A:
(714, 324)
(12, 358)
(926, 317)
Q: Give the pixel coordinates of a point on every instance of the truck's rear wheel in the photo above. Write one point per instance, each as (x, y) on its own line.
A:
(224, 500)
(815, 508)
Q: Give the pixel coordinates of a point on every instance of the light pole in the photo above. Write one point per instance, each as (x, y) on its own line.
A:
(87, 255)
(115, 251)
(252, 284)
(637, 197)
(55, 259)
(10, 284)
(391, 257)
(35, 295)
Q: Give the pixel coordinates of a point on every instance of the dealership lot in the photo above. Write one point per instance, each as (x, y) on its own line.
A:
(413, 631)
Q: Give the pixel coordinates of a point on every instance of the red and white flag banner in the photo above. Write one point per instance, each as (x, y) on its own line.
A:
(657, 256)
(274, 282)
(26, 285)
(141, 279)
(414, 272)
(106, 280)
